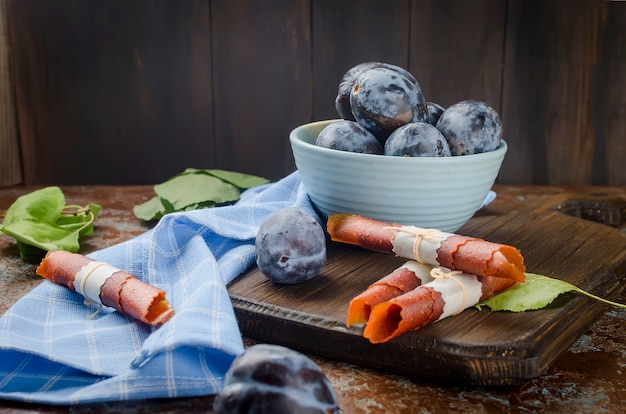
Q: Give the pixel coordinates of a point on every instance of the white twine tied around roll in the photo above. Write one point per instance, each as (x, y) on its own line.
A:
(436, 272)
(96, 273)
(440, 273)
(420, 234)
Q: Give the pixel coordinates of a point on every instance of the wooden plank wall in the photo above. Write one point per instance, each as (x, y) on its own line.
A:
(122, 92)
(10, 160)
(564, 92)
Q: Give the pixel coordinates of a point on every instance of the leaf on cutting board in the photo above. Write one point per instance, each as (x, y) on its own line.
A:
(40, 221)
(195, 189)
(536, 292)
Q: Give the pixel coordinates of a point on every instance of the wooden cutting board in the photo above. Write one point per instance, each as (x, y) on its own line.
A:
(476, 347)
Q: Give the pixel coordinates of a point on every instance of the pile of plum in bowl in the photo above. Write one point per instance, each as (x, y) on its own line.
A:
(396, 157)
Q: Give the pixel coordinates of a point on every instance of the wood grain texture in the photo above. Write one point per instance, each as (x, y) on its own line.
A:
(346, 33)
(158, 86)
(112, 92)
(610, 97)
(262, 82)
(10, 160)
(560, 65)
(589, 374)
(456, 50)
(479, 347)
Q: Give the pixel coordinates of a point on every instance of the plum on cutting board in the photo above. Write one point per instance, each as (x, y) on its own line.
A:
(290, 246)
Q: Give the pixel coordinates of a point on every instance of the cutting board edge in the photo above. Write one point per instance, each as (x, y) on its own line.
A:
(449, 367)
(297, 331)
(292, 327)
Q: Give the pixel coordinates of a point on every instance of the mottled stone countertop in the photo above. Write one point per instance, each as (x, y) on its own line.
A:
(589, 377)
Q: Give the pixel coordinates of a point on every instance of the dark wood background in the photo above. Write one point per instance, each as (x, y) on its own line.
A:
(132, 92)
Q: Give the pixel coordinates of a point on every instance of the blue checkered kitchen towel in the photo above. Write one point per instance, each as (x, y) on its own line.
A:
(52, 352)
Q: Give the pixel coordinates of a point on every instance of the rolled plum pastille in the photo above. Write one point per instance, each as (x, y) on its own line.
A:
(403, 279)
(103, 284)
(448, 294)
(430, 246)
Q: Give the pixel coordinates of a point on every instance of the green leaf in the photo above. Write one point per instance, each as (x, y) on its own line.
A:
(151, 210)
(238, 179)
(40, 205)
(194, 189)
(536, 292)
(188, 189)
(30, 253)
(89, 219)
(193, 171)
(46, 236)
(207, 204)
(40, 221)
(79, 218)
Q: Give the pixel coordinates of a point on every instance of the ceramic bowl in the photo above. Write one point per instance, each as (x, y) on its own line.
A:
(428, 192)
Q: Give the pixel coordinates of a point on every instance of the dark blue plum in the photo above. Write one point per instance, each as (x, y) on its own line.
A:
(278, 380)
(290, 246)
(383, 100)
(417, 139)
(348, 136)
(434, 112)
(471, 127)
(342, 101)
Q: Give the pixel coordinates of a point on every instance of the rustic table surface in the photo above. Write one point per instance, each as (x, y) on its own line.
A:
(587, 377)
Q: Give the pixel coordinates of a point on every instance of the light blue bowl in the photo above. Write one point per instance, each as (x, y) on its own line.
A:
(429, 192)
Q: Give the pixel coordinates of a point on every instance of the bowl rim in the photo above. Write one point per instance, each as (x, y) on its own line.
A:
(297, 140)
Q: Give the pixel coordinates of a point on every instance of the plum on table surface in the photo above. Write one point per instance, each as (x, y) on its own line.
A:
(275, 379)
(290, 246)
(342, 101)
(471, 127)
(434, 111)
(383, 100)
(348, 136)
(417, 139)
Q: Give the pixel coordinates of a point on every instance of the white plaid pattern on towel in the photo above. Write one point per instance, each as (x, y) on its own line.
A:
(52, 352)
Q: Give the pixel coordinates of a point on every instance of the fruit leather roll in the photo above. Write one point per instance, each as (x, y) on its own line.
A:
(403, 279)
(429, 246)
(107, 285)
(448, 294)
